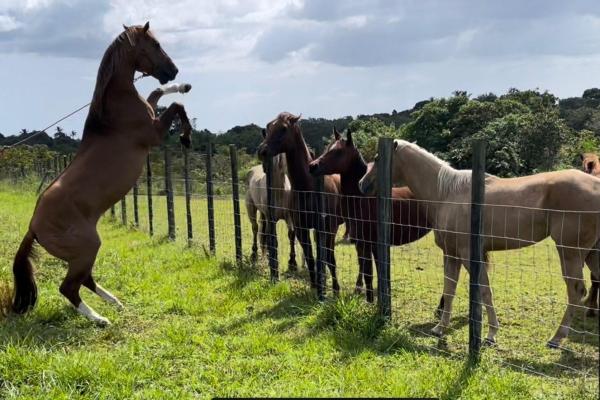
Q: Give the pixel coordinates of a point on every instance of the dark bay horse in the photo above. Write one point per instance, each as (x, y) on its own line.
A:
(120, 129)
(360, 212)
(283, 135)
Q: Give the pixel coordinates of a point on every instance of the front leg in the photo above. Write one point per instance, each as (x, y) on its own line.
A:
(160, 92)
(163, 123)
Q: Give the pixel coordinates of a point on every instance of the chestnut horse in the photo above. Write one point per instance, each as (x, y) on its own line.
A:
(283, 135)
(119, 131)
(518, 212)
(360, 212)
(591, 165)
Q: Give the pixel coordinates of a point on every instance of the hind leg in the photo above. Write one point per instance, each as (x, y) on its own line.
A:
(572, 269)
(330, 260)
(79, 271)
(451, 274)
(80, 252)
(91, 284)
(592, 301)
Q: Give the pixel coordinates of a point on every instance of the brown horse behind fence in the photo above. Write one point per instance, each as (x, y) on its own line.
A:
(591, 165)
(283, 135)
(360, 212)
(518, 212)
(119, 131)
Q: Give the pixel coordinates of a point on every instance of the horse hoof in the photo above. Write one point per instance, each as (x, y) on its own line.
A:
(437, 332)
(553, 345)
(489, 342)
(102, 322)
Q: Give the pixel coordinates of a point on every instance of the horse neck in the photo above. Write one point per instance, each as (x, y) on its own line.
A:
(350, 178)
(420, 173)
(298, 159)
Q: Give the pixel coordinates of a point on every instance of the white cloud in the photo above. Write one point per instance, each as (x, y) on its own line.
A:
(8, 23)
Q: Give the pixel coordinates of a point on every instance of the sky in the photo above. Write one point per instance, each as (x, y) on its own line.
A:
(248, 60)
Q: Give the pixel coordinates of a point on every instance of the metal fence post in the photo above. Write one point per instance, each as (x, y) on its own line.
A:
(188, 195)
(270, 221)
(210, 200)
(124, 210)
(136, 214)
(384, 219)
(320, 267)
(169, 193)
(476, 261)
(149, 195)
(236, 202)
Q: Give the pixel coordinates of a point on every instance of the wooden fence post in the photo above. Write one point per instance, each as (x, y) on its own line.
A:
(210, 200)
(149, 195)
(64, 162)
(236, 202)
(136, 214)
(320, 267)
(124, 210)
(384, 220)
(271, 230)
(188, 195)
(476, 261)
(169, 192)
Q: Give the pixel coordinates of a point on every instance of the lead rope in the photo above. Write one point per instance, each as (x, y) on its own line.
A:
(56, 122)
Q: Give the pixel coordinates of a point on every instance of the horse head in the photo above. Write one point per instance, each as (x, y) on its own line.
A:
(278, 137)
(338, 156)
(149, 56)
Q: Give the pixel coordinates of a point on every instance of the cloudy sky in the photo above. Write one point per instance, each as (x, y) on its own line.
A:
(250, 59)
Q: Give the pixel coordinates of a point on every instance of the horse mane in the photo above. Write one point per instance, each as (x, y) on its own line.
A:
(110, 61)
(449, 180)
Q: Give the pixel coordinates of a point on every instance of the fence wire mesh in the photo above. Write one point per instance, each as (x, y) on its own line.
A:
(528, 281)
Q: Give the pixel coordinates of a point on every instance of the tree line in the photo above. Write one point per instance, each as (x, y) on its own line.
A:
(527, 132)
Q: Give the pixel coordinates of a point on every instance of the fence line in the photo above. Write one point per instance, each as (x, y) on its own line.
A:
(399, 267)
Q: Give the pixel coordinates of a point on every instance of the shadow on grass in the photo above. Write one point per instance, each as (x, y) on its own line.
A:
(454, 391)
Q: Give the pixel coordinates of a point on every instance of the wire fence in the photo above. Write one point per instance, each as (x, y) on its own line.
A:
(392, 256)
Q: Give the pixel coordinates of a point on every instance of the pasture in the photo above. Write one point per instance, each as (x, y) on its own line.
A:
(200, 327)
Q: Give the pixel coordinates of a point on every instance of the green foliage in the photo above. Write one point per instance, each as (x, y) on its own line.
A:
(366, 133)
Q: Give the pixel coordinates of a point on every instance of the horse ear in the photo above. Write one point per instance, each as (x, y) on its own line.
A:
(129, 35)
(264, 133)
(395, 144)
(294, 119)
(336, 134)
(146, 26)
(349, 141)
(581, 157)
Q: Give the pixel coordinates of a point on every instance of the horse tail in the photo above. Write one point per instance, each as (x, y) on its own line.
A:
(25, 294)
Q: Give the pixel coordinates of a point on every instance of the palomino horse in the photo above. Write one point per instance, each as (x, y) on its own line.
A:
(360, 212)
(283, 135)
(518, 212)
(256, 201)
(591, 165)
(119, 131)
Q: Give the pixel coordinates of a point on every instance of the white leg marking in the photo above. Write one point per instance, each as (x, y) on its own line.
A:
(106, 295)
(92, 315)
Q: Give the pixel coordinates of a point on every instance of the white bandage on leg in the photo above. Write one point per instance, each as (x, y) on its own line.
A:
(106, 295)
(92, 315)
(175, 88)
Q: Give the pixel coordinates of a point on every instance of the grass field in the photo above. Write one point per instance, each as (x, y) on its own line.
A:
(198, 327)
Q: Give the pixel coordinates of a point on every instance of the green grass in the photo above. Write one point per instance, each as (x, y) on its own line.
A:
(198, 327)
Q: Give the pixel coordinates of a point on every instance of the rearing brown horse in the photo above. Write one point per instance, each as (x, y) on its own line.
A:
(120, 129)
(283, 135)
